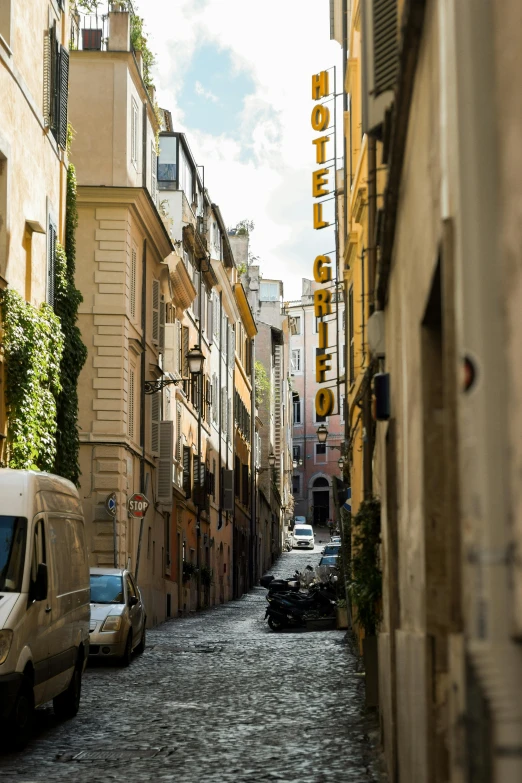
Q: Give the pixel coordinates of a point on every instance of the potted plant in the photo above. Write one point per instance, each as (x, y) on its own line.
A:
(342, 614)
(207, 576)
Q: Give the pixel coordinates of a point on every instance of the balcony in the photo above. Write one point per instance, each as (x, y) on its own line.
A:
(107, 29)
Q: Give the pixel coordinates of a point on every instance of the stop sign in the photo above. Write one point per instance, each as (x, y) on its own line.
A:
(137, 505)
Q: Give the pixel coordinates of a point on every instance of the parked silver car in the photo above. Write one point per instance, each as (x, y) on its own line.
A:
(118, 616)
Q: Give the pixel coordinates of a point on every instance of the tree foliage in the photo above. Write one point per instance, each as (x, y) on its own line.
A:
(262, 382)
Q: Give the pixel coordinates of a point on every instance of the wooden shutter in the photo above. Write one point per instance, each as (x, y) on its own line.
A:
(63, 93)
(162, 318)
(179, 338)
(231, 346)
(178, 432)
(184, 351)
(155, 311)
(170, 348)
(379, 47)
(224, 410)
(153, 172)
(187, 464)
(51, 263)
(47, 77)
(228, 490)
(133, 271)
(155, 423)
(210, 319)
(134, 131)
(130, 427)
(165, 462)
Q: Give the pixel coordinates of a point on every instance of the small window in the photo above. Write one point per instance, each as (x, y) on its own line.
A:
(320, 453)
(297, 409)
(296, 452)
(296, 484)
(269, 292)
(297, 325)
(296, 360)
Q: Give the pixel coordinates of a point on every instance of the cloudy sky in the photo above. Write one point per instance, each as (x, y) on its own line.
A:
(236, 75)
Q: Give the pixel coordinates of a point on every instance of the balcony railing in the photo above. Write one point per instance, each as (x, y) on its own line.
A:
(91, 31)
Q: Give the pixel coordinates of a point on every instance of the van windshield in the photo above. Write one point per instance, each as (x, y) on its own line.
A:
(302, 531)
(13, 531)
(106, 589)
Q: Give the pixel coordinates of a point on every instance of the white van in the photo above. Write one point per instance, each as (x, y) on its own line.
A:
(303, 536)
(44, 598)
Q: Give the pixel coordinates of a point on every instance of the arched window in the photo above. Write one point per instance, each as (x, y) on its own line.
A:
(320, 482)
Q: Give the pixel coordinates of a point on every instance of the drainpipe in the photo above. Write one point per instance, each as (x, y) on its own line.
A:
(200, 456)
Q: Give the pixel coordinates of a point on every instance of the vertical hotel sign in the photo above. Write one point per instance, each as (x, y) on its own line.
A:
(324, 398)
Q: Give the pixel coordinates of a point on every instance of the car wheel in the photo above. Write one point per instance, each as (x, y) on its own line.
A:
(67, 704)
(141, 646)
(20, 721)
(275, 625)
(127, 655)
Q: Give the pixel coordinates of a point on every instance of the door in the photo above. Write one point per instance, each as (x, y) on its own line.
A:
(321, 506)
(37, 623)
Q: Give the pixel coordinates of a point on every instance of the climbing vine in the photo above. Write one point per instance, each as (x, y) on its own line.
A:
(33, 346)
(67, 301)
(365, 581)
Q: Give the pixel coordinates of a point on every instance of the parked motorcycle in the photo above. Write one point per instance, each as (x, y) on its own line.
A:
(294, 610)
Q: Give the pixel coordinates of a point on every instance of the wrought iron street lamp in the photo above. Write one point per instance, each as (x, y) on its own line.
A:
(195, 358)
(322, 436)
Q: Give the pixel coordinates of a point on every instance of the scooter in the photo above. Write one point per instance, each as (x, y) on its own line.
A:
(292, 610)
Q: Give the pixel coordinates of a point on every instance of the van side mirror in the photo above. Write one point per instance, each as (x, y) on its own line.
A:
(40, 585)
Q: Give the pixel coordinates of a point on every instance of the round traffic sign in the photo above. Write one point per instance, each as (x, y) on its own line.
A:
(137, 505)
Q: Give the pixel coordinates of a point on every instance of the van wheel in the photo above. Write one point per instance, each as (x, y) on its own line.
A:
(127, 655)
(143, 641)
(20, 721)
(67, 704)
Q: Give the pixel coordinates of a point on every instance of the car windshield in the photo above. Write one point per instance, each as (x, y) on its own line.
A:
(13, 531)
(332, 549)
(106, 589)
(302, 531)
(330, 561)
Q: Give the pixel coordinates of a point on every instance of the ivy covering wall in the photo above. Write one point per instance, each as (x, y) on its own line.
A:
(44, 355)
(33, 348)
(67, 301)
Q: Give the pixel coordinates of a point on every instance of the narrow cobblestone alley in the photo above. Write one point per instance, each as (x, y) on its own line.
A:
(215, 697)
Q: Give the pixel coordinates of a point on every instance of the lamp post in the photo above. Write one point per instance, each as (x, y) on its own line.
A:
(322, 436)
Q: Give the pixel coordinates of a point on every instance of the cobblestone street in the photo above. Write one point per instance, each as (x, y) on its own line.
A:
(215, 697)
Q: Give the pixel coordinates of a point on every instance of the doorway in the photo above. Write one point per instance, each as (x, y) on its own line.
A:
(321, 501)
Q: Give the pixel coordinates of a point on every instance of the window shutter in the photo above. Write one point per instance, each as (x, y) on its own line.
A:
(170, 348)
(178, 432)
(184, 351)
(134, 130)
(47, 77)
(210, 320)
(186, 471)
(215, 399)
(162, 315)
(155, 423)
(231, 347)
(165, 462)
(228, 490)
(130, 427)
(379, 48)
(155, 311)
(179, 343)
(153, 172)
(133, 270)
(224, 410)
(51, 264)
(63, 94)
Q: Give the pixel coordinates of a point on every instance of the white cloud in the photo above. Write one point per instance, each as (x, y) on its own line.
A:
(208, 94)
(264, 173)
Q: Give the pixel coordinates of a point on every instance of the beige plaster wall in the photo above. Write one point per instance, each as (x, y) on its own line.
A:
(415, 256)
(32, 174)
